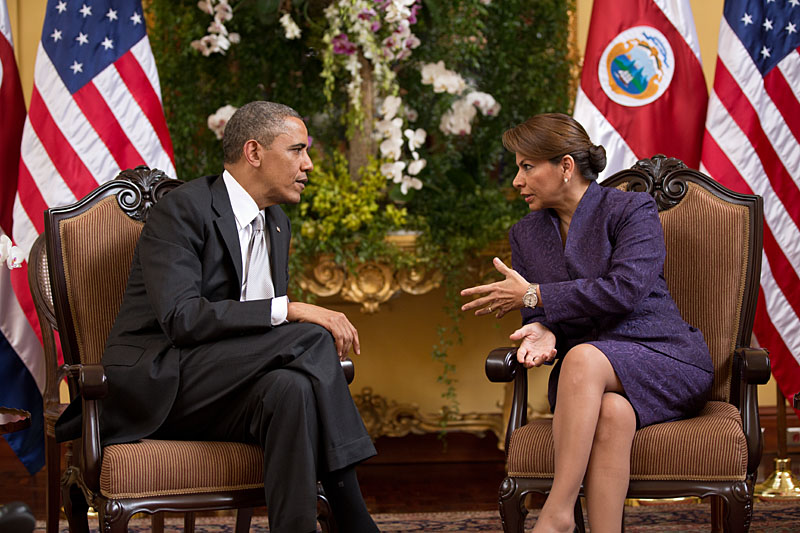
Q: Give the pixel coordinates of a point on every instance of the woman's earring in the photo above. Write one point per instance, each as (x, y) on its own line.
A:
(566, 180)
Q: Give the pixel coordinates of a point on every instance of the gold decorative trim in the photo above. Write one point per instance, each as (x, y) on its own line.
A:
(384, 417)
(372, 282)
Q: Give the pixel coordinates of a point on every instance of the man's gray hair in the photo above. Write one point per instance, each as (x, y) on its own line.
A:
(262, 121)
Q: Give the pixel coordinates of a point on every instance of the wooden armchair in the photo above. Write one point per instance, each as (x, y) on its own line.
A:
(84, 256)
(713, 239)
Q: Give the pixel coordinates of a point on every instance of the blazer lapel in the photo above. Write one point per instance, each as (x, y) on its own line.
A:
(279, 253)
(226, 224)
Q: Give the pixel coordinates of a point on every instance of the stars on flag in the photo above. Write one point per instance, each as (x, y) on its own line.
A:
(136, 18)
(747, 19)
(791, 27)
(56, 35)
(61, 6)
(107, 43)
(765, 52)
(111, 15)
(82, 38)
(794, 3)
(76, 67)
(767, 24)
(85, 10)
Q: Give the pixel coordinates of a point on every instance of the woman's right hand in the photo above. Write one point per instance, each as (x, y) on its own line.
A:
(537, 344)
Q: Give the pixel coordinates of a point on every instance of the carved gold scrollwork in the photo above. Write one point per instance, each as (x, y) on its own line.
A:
(383, 417)
(372, 282)
(325, 279)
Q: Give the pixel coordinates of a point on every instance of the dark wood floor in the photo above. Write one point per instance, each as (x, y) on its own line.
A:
(417, 473)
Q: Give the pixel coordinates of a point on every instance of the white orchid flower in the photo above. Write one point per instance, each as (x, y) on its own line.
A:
(393, 171)
(390, 128)
(206, 6)
(389, 106)
(290, 28)
(15, 258)
(416, 138)
(9, 253)
(416, 166)
(485, 103)
(408, 181)
(218, 120)
(392, 148)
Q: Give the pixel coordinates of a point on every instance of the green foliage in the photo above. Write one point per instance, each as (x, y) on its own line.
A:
(346, 218)
(516, 50)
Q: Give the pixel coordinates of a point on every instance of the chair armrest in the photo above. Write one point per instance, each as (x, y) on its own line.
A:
(755, 365)
(501, 365)
(750, 368)
(349, 369)
(93, 386)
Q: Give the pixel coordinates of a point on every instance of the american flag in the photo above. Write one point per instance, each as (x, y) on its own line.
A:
(18, 387)
(751, 145)
(642, 75)
(95, 109)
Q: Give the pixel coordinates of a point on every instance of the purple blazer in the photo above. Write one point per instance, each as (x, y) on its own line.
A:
(607, 287)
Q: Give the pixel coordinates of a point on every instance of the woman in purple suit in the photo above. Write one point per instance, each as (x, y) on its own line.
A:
(588, 276)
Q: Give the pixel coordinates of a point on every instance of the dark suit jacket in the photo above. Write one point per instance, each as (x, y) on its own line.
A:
(183, 290)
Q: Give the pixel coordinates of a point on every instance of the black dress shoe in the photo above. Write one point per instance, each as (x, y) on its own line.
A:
(16, 517)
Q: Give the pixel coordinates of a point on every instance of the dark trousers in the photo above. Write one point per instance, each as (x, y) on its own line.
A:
(285, 391)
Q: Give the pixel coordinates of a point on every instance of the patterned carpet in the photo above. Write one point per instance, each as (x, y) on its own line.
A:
(771, 517)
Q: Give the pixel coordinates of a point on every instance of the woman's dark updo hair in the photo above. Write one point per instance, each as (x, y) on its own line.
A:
(551, 136)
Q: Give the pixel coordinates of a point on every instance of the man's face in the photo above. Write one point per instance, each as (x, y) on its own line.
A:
(285, 163)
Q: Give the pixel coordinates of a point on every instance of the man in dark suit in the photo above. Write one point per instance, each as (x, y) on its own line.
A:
(207, 346)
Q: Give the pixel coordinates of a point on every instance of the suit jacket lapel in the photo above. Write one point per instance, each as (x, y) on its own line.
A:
(226, 224)
(279, 244)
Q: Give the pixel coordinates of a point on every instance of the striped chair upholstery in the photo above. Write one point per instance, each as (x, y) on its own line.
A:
(713, 241)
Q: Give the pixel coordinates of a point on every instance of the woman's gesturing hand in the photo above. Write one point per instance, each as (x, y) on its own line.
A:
(501, 296)
(537, 344)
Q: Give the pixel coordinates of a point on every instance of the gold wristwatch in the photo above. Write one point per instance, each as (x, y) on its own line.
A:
(530, 299)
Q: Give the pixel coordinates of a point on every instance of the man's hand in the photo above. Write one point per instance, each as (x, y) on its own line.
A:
(344, 333)
(538, 344)
(501, 297)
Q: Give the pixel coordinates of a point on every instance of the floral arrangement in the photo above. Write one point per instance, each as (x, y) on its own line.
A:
(406, 100)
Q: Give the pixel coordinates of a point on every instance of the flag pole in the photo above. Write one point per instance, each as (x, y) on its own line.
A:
(780, 484)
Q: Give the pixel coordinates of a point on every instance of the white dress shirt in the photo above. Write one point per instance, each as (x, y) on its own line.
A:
(245, 210)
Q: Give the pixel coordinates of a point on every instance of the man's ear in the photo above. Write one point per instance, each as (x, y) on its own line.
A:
(252, 152)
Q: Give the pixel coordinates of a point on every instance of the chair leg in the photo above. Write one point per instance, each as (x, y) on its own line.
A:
(512, 510)
(579, 525)
(717, 514)
(324, 513)
(53, 494)
(75, 507)
(738, 508)
(243, 517)
(157, 523)
(188, 522)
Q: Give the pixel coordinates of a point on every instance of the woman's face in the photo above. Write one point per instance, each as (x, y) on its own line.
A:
(539, 182)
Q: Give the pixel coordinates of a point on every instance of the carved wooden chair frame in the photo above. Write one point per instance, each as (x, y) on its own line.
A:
(666, 179)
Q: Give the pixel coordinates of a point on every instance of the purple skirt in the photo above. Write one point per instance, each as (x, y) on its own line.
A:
(659, 387)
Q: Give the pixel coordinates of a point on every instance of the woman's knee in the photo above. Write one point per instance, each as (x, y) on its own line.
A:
(617, 419)
(585, 364)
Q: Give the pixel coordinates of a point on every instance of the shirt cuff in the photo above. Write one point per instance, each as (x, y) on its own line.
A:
(280, 308)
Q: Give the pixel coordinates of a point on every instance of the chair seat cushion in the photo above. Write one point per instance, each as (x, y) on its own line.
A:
(160, 467)
(709, 447)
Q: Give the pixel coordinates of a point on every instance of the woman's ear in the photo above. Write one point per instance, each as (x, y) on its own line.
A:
(567, 166)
